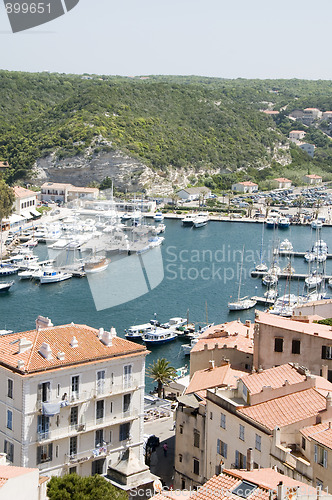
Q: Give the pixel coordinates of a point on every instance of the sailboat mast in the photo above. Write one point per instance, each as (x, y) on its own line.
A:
(238, 297)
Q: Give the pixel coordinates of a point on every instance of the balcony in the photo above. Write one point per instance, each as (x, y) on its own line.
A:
(293, 459)
(54, 432)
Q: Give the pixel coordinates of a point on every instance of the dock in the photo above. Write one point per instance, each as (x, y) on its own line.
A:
(263, 300)
(287, 253)
(299, 276)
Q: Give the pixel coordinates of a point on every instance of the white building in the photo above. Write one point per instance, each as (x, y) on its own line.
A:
(296, 135)
(313, 179)
(21, 482)
(245, 187)
(25, 202)
(194, 193)
(72, 399)
(310, 115)
(283, 183)
(58, 192)
(308, 148)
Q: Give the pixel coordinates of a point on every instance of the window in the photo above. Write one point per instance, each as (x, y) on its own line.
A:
(74, 416)
(258, 442)
(245, 392)
(10, 388)
(126, 402)
(100, 382)
(319, 483)
(127, 381)
(196, 438)
(58, 390)
(223, 420)
(183, 484)
(9, 420)
(240, 460)
(9, 450)
(100, 409)
(221, 448)
(110, 437)
(98, 467)
(211, 415)
(73, 446)
(196, 466)
(303, 443)
(181, 429)
(326, 352)
(44, 392)
(180, 458)
(296, 347)
(72, 470)
(244, 489)
(124, 431)
(57, 451)
(43, 426)
(75, 381)
(111, 407)
(99, 438)
(320, 455)
(44, 453)
(278, 345)
(241, 432)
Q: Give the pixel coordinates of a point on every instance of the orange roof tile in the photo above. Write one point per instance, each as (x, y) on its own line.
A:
(313, 176)
(232, 335)
(286, 410)
(273, 377)
(214, 377)
(21, 192)
(321, 433)
(59, 338)
(323, 331)
(282, 179)
(83, 189)
(10, 471)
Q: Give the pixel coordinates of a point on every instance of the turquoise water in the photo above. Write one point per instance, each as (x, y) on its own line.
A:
(201, 268)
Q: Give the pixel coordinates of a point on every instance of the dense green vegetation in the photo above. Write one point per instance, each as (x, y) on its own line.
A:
(185, 122)
(74, 487)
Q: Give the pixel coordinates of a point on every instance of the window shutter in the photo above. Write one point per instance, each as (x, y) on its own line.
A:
(38, 455)
(39, 392)
(225, 450)
(325, 459)
(218, 446)
(323, 351)
(244, 461)
(236, 458)
(50, 451)
(39, 424)
(316, 453)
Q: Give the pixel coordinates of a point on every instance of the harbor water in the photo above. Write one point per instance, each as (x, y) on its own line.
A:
(199, 273)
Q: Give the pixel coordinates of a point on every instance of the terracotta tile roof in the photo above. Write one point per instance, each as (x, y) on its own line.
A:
(214, 377)
(230, 328)
(273, 377)
(247, 183)
(229, 335)
(286, 410)
(82, 189)
(323, 331)
(270, 112)
(10, 471)
(89, 348)
(297, 132)
(321, 433)
(21, 192)
(313, 176)
(56, 185)
(282, 179)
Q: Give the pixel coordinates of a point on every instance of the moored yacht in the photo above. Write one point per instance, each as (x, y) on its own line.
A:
(200, 220)
(52, 275)
(158, 217)
(159, 336)
(188, 220)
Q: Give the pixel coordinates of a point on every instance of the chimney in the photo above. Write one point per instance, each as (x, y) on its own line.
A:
(74, 342)
(3, 458)
(46, 351)
(20, 364)
(248, 323)
(250, 460)
(325, 371)
(280, 491)
(113, 332)
(106, 338)
(211, 364)
(24, 345)
(42, 322)
(100, 333)
(60, 356)
(328, 400)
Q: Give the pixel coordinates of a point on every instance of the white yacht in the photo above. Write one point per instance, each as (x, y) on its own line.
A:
(286, 246)
(136, 332)
(316, 224)
(158, 217)
(52, 275)
(200, 220)
(188, 220)
(313, 280)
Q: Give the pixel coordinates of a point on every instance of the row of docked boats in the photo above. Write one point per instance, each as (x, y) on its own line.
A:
(154, 333)
(195, 220)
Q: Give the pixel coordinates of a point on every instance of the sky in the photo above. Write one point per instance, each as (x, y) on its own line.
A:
(216, 38)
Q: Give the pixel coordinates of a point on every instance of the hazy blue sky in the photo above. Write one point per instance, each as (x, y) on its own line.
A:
(223, 38)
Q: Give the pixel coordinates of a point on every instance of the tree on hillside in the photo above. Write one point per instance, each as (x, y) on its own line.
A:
(74, 487)
(161, 372)
(7, 199)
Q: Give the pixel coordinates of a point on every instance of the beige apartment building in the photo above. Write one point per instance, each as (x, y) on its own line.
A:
(232, 341)
(72, 399)
(278, 340)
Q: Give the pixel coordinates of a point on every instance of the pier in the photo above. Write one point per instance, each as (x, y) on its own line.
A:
(288, 253)
(299, 276)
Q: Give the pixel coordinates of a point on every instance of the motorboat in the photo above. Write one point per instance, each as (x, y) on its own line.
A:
(283, 222)
(320, 246)
(126, 216)
(271, 222)
(286, 246)
(288, 269)
(188, 220)
(156, 241)
(159, 336)
(136, 332)
(158, 217)
(321, 257)
(5, 286)
(200, 220)
(53, 276)
(285, 305)
(96, 265)
(317, 224)
(186, 348)
(7, 269)
(161, 228)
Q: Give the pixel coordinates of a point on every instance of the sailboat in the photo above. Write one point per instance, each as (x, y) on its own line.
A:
(261, 266)
(241, 303)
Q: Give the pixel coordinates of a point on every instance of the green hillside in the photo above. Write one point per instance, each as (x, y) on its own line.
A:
(184, 122)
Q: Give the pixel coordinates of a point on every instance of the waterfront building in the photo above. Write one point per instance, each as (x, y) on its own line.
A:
(72, 400)
(231, 340)
(60, 192)
(245, 187)
(25, 202)
(278, 340)
(194, 193)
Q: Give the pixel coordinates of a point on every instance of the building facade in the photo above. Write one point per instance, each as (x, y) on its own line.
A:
(245, 187)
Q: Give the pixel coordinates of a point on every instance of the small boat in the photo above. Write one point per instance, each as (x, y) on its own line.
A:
(313, 280)
(186, 348)
(321, 257)
(7, 269)
(156, 241)
(161, 228)
(158, 217)
(95, 265)
(200, 220)
(286, 246)
(270, 279)
(188, 220)
(159, 336)
(262, 268)
(53, 276)
(271, 222)
(126, 216)
(241, 304)
(320, 246)
(288, 269)
(310, 256)
(136, 332)
(316, 224)
(271, 294)
(283, 223)
(5, 286)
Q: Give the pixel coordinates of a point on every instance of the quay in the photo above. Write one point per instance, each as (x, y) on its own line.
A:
(288, 253)
(300, 276)
(263, 300)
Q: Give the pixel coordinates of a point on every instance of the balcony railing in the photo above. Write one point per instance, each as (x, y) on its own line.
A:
(85, 426)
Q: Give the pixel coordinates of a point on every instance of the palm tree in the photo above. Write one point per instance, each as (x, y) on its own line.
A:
(161, 372)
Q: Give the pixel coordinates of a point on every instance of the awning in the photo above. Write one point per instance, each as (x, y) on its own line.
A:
(15, 218)
(26, 215)
(34, 212)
